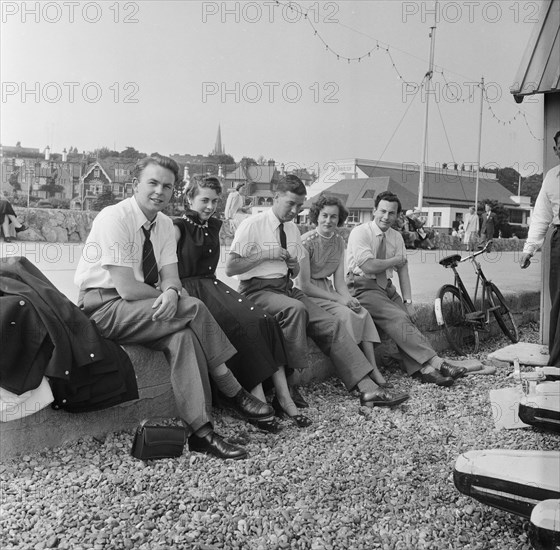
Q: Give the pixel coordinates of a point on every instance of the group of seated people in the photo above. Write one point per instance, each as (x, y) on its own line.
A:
(413, 230)
(154, 283)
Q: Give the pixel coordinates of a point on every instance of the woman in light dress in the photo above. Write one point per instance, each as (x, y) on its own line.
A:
(324, 259)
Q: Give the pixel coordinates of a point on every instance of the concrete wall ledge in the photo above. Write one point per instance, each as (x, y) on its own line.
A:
(51, 428)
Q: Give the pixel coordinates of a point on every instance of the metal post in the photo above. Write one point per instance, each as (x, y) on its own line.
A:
(428, 78)
(479, 145)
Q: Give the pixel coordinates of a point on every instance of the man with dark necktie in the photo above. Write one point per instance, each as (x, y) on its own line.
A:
(374, 251)
(265, 255)
(129, 285)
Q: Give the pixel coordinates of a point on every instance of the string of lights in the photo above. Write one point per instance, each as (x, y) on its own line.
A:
(386, 49)
(518, 114)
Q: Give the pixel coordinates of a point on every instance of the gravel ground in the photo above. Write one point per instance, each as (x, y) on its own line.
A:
(357, 478)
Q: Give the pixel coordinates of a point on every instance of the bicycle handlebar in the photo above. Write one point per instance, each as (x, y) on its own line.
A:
(472, 256)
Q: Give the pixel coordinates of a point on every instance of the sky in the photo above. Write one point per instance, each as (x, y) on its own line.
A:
(162, 75)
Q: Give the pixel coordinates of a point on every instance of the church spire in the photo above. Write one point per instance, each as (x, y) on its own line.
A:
(218, 148)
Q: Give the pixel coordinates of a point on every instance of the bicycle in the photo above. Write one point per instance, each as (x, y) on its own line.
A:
(457, 313)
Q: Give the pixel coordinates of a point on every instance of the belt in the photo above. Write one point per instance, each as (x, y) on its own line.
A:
(389, 282)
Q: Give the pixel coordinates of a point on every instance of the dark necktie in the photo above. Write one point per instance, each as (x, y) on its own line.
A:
(149, 264)
(284, 243)
(382, 255)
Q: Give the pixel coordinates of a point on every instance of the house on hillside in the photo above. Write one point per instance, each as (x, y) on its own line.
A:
(109, 174)
(448, 192)
(260, 183)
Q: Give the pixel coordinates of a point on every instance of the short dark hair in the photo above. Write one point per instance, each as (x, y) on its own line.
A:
(323, 201)
(557, 138)
(239, 185)
(160, 160)
(208, 182)
(389, 197)
(291, 184)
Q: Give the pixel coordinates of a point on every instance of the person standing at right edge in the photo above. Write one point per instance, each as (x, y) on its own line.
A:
(546, 211)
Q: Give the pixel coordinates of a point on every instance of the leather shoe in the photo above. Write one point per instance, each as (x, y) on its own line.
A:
(299, 420)
(380, 398)
(249, 407)
(214, 444)
(436, 378)
(386, 386)
(22, 228)
(298, 399)
(270, 425)
(452, 371)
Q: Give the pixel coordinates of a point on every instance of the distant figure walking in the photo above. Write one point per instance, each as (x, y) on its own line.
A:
(7, 216)
(471, 228)
(235, 211)
(489, 224)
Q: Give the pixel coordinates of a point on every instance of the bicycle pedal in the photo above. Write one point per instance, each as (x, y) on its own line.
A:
(474, 316)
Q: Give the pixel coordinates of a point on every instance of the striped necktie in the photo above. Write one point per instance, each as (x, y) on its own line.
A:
(149, 264)
(284, 243)
(381, 277)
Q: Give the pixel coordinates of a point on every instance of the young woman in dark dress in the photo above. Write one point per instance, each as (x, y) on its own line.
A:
(255, 334)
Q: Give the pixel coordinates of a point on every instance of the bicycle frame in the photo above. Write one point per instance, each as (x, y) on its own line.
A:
(479, 317)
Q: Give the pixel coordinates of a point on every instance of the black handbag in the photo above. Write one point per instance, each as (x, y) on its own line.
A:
(151, 442)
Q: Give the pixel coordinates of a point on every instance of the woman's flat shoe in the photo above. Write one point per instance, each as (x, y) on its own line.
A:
(297, 398)
(299, 420)
(22, 228)
(270, 425)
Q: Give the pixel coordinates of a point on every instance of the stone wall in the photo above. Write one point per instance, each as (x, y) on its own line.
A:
(63, 226)
(55, 226)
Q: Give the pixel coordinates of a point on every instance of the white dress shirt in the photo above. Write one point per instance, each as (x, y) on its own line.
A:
(260, 233)
(546, 210)
(363, 243)
(116, 238)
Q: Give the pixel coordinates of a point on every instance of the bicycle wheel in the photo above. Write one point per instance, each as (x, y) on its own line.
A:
(461, 334)
(503, 314)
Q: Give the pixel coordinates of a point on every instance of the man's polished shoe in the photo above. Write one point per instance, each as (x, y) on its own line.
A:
(436, 378)
(250, 407)
(213, 444)
(452, 371)
(298, 399)
(381, 398)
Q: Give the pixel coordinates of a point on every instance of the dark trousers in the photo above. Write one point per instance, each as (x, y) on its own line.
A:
(554, 285)
(299, 317)
(389, 314)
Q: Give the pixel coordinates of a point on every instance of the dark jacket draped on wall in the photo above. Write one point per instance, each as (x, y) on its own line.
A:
(42, 333)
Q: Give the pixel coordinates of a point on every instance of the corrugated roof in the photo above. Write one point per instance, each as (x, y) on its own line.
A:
(539, 71)
(443, 187)
(360, 193)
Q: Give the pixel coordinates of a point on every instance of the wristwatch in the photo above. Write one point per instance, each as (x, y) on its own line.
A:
(407, 301)
(177, 290)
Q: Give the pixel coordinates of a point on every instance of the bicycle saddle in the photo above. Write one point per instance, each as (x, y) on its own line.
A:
(450, 260)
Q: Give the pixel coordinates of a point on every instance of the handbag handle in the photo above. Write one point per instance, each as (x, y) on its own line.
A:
(155, 418)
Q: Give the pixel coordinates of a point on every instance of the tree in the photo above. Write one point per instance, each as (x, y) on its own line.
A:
(531, 186)
(221, 159)
(509, 178)
(105, 152)
(14, 180)
(132, 153)
(248, 161)
(51, 188)
(104, 199)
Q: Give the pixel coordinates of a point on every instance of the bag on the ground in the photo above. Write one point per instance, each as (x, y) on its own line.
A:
(152, 442)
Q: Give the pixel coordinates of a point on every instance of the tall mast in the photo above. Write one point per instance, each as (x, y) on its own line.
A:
(428, 79)
(479, 144)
